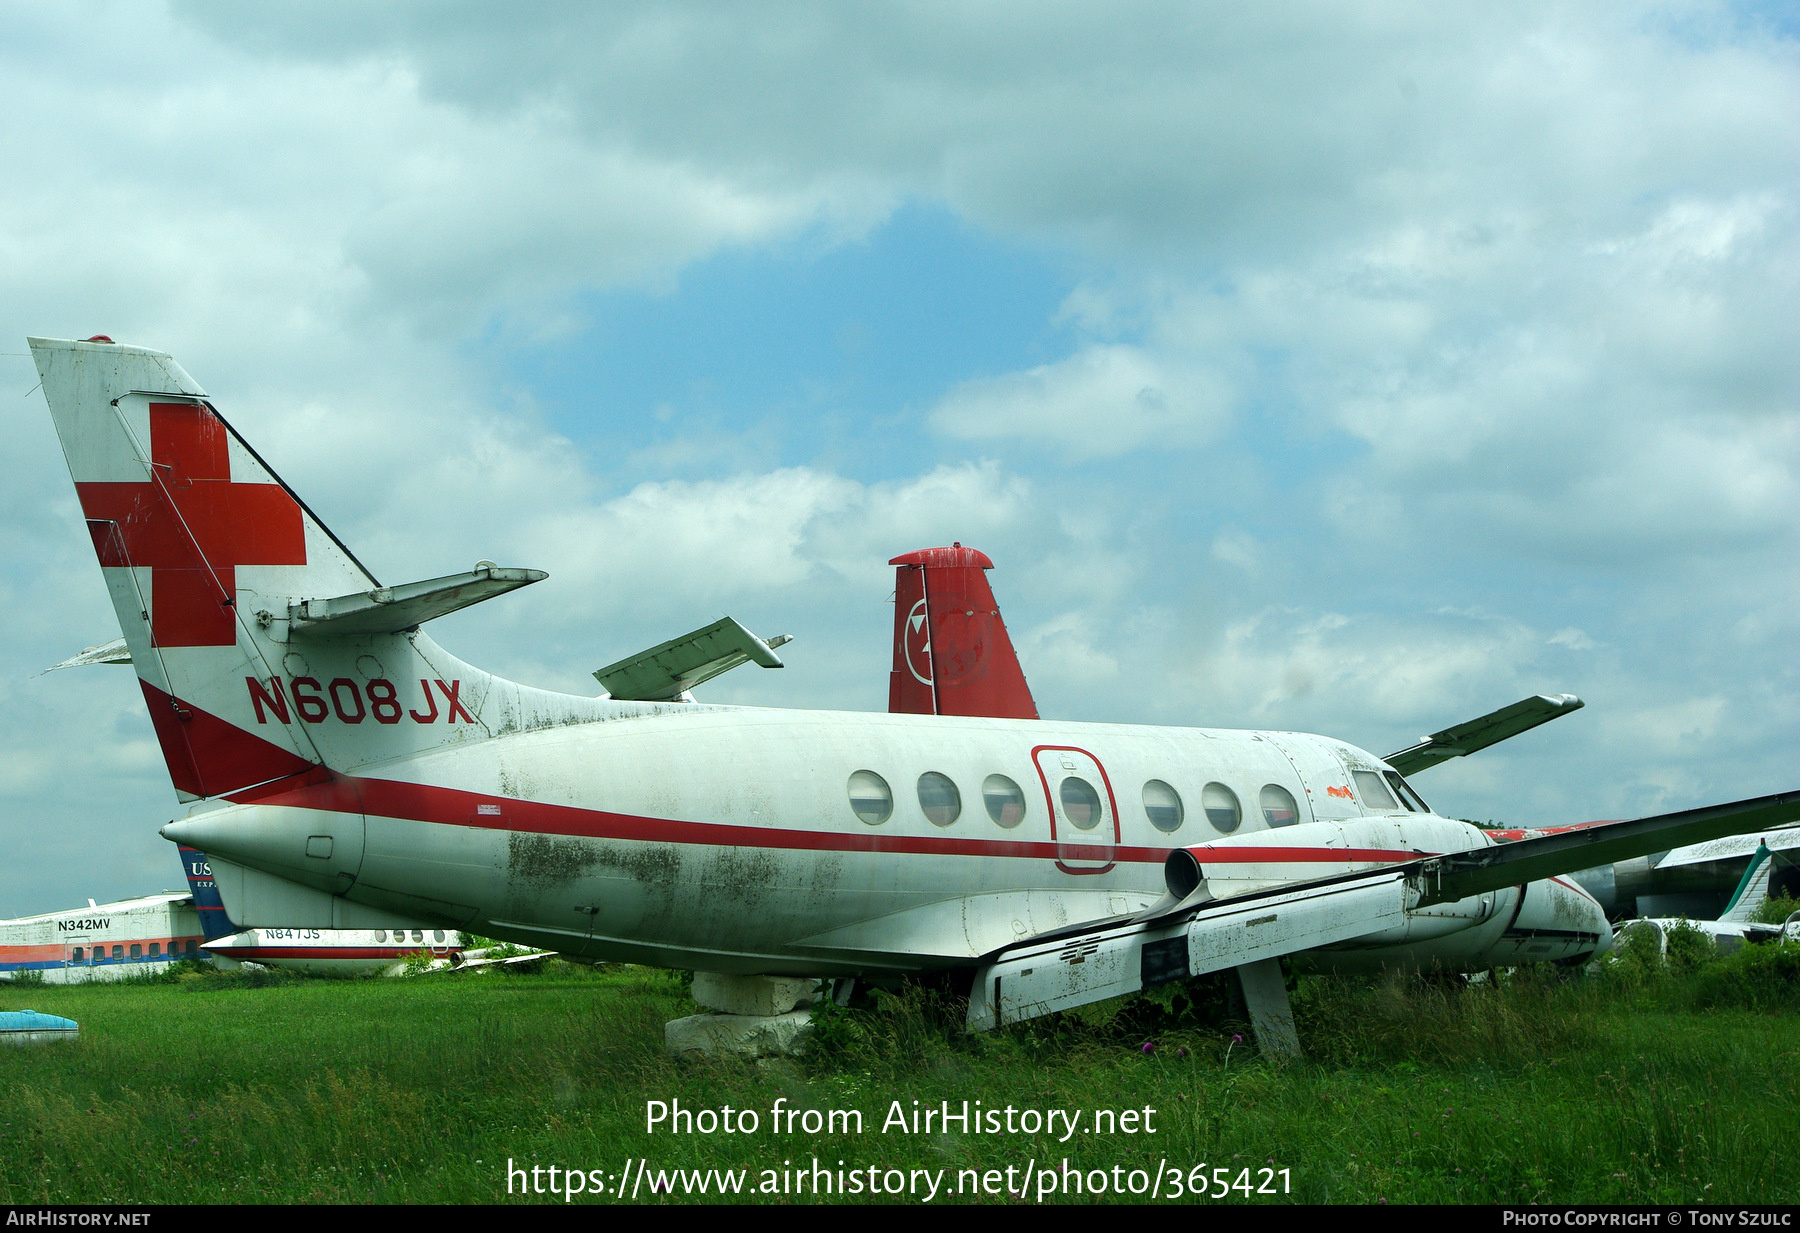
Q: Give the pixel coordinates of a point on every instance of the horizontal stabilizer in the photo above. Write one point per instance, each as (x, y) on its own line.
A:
(1458, 875)
(1490, 729)
(388, 610)
(664, 673)
(114, 652)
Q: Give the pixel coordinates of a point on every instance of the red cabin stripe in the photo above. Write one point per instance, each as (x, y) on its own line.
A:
(386, 798)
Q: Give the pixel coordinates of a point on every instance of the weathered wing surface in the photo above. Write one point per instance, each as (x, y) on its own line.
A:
(1490, 729)
(1461, 874)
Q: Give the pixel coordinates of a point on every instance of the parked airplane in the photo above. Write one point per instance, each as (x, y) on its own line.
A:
(102, 941)
(1735, 925)
(1699, 880)
(342, 952)
(344, 771)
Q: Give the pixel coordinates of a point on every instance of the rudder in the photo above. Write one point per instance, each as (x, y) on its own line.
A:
(952, 654)
(190, 528)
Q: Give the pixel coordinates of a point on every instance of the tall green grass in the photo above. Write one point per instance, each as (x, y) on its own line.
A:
(1641, 1084)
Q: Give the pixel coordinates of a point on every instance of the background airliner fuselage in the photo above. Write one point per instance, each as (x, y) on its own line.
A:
(103, 941)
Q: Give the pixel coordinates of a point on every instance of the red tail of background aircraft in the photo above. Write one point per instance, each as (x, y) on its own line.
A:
(951, 652)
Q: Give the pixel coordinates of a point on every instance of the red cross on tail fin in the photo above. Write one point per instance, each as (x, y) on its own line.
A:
(263, 647)
(952, 655)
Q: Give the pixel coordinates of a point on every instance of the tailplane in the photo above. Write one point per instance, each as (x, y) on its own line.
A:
(952, 655)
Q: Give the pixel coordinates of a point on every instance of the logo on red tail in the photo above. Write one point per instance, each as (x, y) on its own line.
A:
(191, 526)
(916, 640)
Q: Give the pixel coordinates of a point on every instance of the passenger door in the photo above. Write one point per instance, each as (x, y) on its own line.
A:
(1084, 812)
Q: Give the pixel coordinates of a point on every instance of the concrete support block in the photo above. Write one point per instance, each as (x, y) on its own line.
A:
(753, 995)
(749, 1036)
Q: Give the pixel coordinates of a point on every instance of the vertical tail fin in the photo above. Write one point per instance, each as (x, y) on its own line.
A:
(190, 527)
(1752, 890)
(214, 922)
(263, 647)
(952, 655)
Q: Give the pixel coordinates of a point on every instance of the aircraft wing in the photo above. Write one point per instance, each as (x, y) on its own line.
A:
(667, 671)
(1458, 875)
(1490, 729)
(1732, 847)
(1189, 934)
(1083, 964)
(485, 960)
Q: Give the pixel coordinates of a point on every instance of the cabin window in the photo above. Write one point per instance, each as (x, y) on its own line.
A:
(1222, 808)
(1278, 805)
(75, 955)
(118, 952)
(1081, 804)
(191, 947)
(1162, 805)
(437, 935)
(137, 952)
(1405, 792)
(418, 935)
(155, 949)
(1005, 802)
(870, 798)
(381, 935)
(939, 799)
(1374, 793)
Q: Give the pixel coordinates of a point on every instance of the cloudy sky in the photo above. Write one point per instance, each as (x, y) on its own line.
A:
(1345, 368)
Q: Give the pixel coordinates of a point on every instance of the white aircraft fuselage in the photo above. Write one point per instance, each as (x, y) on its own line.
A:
(103, 941)
(344, 772)
(725, 839)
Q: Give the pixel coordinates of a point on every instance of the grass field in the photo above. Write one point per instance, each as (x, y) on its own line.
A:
(1646, 1086)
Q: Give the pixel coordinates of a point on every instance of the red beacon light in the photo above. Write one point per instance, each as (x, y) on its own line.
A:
(99, 338)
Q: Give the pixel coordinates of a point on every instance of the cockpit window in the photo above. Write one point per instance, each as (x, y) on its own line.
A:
(1405, 792)
(1374, 793)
